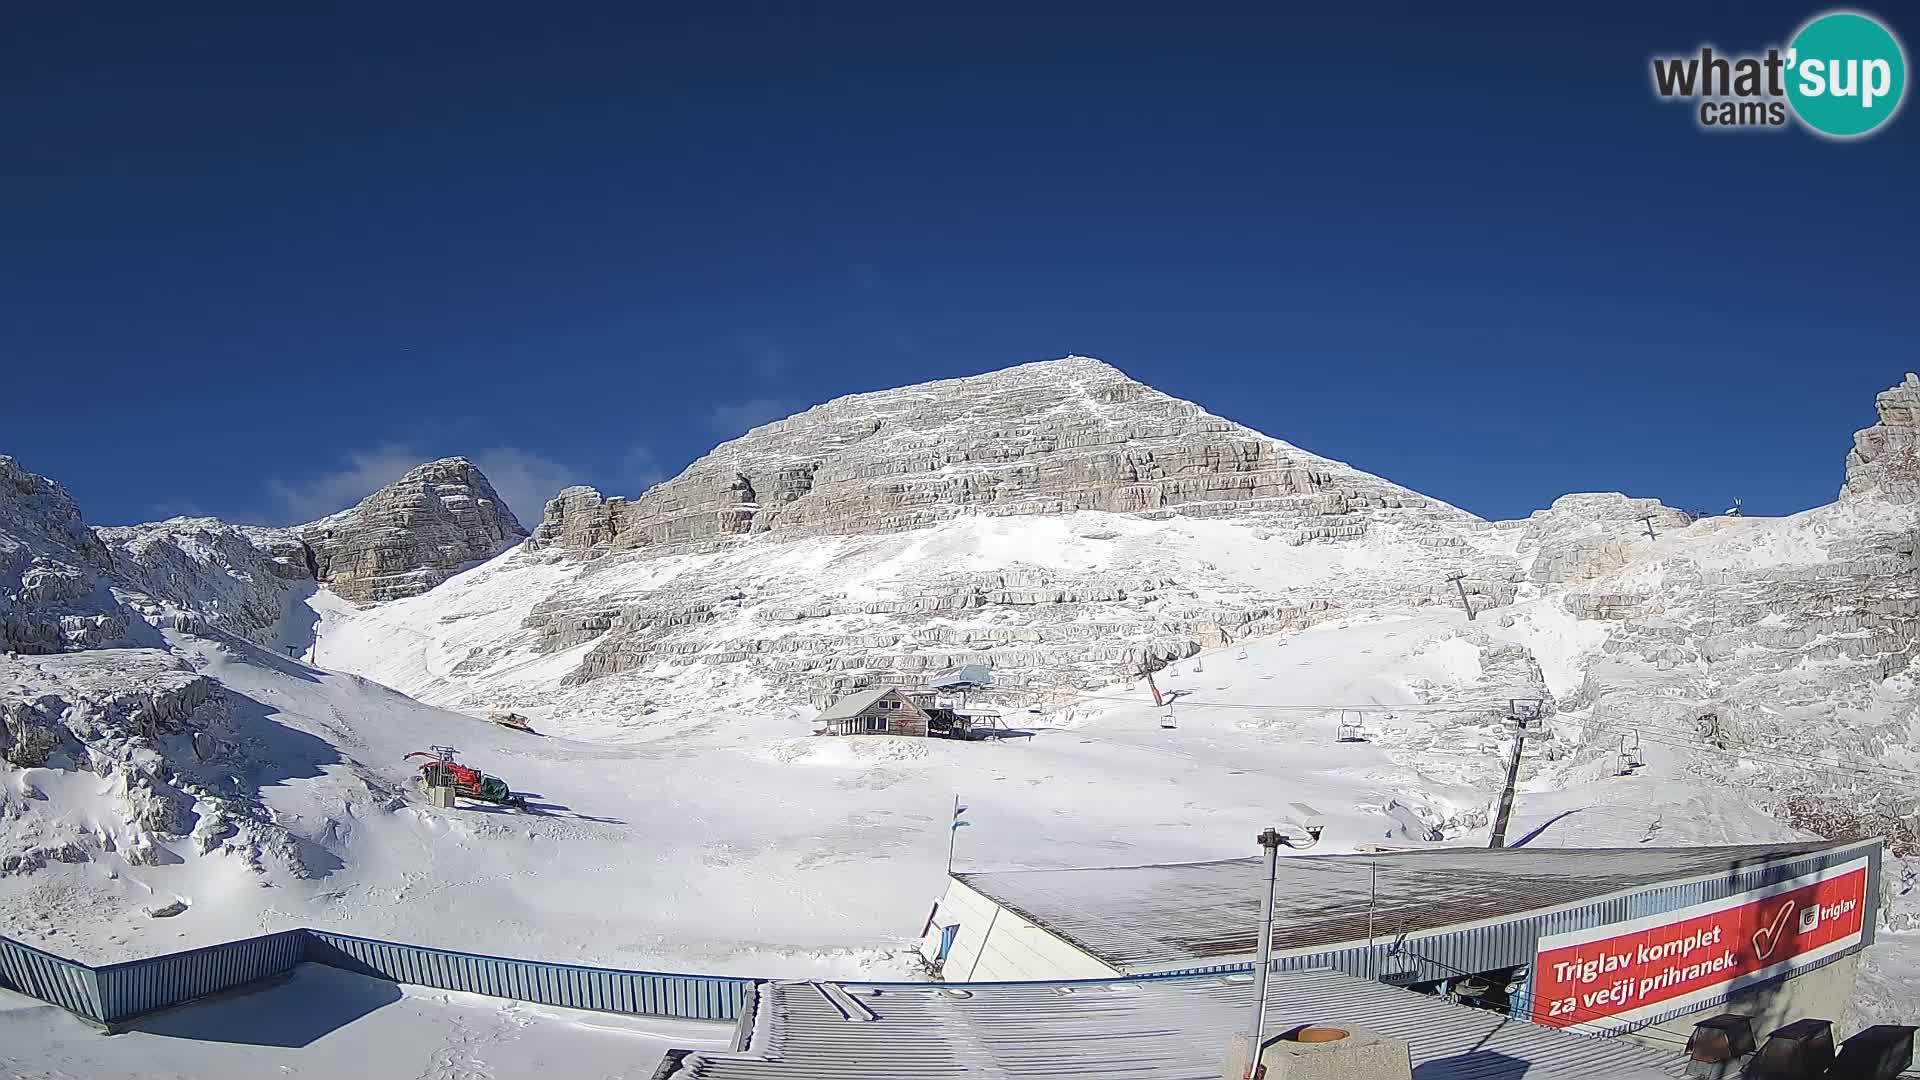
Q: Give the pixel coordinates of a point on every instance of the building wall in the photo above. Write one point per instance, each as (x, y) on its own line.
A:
(998, 945)
(1822, 993)
(905, 718)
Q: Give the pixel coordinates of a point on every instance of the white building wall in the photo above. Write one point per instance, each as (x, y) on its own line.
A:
(997, 945)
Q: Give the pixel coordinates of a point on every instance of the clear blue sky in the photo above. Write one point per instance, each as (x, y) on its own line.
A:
(252, 264)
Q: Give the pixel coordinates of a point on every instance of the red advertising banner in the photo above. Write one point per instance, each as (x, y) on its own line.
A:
(1608, 976)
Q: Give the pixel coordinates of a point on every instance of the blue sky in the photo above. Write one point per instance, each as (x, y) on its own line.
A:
(254, 265)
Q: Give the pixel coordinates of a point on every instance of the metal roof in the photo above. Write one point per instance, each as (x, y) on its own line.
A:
(966, 675)
(853, 704)
(1143, 918)
(1148, 1029)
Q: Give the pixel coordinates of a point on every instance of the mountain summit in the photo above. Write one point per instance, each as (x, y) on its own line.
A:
(1054, 437)
(412, 534)
(1059, 522)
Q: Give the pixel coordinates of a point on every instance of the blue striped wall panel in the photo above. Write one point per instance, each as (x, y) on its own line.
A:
(573, 986)
(156, 982)
(52, 979)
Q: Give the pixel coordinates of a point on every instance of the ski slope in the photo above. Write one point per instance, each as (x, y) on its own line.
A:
(742, 845)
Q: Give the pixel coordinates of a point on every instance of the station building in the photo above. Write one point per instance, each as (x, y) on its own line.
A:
(1600, 941)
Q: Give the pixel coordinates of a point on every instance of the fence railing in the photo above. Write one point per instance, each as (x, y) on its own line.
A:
(114, 993)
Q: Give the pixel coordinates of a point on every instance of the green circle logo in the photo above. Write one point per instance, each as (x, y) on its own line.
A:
(1845, 74)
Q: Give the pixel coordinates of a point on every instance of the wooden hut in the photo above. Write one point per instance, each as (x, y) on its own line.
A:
(883, 710)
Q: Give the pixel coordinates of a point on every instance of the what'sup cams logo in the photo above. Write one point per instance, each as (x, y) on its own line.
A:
(1842, 76)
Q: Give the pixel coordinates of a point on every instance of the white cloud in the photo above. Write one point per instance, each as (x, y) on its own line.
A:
(735, 417)
(642, 469)
(525, 480)
(365, 472)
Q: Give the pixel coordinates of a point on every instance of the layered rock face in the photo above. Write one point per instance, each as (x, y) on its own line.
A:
(1885, 459)
(413, 534)
(1045, 438)
(860, 541)
(1587, 534)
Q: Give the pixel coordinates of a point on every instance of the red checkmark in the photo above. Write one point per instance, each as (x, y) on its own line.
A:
(1767, 938)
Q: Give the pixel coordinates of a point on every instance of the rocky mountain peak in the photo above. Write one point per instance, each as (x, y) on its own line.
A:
(412, 534)
(51, 564)
(1885, 459)
(1044, 438)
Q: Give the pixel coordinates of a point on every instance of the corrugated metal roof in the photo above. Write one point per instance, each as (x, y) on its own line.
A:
(851, 706)
(1152, 1029)
(1139, 918)
(966, 675)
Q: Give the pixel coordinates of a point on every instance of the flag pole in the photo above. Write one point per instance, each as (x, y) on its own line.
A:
(953, 833)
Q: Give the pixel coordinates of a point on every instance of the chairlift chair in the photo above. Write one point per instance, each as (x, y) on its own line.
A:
(1350, 729)
(1166, 719)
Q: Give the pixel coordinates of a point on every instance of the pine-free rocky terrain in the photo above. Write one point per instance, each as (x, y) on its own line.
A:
(202, 724)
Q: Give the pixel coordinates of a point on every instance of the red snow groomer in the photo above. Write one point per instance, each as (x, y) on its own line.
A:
(441, 770)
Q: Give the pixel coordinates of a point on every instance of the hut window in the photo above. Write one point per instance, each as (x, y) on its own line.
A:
(876, 723)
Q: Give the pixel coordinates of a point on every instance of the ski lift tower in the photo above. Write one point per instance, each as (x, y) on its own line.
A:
(1523, 719)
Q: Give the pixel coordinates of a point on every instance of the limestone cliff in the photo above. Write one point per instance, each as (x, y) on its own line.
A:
(1885, 459)
(1039, 439)
(412, 534)
(860, 539)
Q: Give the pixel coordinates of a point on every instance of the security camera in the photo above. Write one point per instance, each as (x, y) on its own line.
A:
(1309, 819)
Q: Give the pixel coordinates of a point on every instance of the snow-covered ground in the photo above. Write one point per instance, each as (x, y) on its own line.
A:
(742, 845)
(320, 1021)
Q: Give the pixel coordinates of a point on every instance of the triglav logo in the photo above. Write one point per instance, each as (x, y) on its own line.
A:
(1843, 75)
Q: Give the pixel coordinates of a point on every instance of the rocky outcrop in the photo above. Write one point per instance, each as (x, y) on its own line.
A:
(211, 573)
(1038, 439)
(1885, 459)
(413, 534)
(1588, 534)
(53, 570)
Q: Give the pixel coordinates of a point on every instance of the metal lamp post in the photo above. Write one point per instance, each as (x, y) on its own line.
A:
(1272, 841)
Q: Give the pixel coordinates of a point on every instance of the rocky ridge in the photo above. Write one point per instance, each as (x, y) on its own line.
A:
(1885, 459)
(1071, 440)
(1053, 437)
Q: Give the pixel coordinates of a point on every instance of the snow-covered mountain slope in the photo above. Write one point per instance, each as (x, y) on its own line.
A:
(1057, 522)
